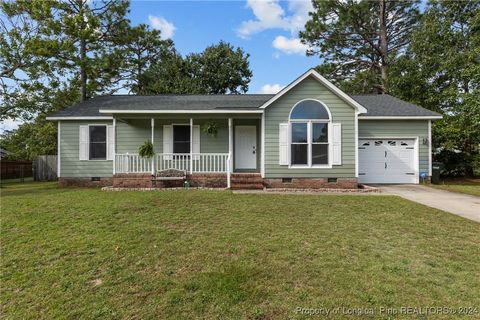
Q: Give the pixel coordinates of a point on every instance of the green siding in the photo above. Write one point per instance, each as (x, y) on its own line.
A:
(398, 129)
(132, 133)
(278, 112)
(70, 165)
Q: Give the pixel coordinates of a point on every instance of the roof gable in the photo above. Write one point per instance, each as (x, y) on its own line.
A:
(330, 86)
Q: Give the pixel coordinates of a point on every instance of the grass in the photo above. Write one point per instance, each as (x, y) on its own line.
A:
(467, 186)
(84, 253)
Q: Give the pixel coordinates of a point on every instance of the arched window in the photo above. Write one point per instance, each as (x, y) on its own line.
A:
(309, 110)
(309, 125)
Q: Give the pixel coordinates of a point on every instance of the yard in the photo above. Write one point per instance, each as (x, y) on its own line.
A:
(84, 253)
(467, 186)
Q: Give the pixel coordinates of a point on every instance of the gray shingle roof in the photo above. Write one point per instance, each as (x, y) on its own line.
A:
(384, 105)
(377, 105)
(90, 107)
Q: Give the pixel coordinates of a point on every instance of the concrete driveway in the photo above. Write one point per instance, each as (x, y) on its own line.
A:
(460, 204)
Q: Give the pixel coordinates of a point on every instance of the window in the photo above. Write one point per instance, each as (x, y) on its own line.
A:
(299, 147)
(309, 123)
(98, 142)
(181, 139)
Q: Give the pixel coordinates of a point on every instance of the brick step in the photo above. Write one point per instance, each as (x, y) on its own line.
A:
(254, 180)
(242, 181)
(248, 186)
(246, 177)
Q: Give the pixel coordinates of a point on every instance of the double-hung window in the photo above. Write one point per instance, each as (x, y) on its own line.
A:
(98, 142)
(309, 134)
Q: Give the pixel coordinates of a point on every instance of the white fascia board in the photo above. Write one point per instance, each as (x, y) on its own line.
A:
(312, 72)
(79, 118)
(178, 111)
(399, 117)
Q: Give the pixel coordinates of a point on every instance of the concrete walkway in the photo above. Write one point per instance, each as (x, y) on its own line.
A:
(460, 204)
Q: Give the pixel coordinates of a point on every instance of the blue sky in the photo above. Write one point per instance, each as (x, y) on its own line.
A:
(267, 30)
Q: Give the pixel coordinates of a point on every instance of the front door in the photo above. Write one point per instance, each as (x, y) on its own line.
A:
(246, 147)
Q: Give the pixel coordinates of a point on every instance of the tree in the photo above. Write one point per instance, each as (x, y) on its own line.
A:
(441, 72)
(38, 137)
(143, 47)
(23, 68)
(78, 38)
(222, 69)
(219, 69)
(358, 40)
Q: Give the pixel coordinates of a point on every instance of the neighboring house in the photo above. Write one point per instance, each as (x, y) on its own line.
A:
(309, 135)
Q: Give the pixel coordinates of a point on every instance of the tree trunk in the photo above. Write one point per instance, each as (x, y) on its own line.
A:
(83, 73)
(383, 46)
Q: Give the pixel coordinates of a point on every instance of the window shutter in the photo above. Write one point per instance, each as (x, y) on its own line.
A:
(336, 143)
(196, 141)
(110, 142)
(283, 144)
(167, 141)
(83, 143)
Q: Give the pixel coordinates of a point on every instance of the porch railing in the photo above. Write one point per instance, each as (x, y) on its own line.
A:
(195, 162)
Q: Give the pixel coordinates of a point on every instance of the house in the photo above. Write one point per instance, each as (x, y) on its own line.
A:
(308, 135)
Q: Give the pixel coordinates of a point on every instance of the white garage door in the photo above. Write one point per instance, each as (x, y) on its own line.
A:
(387, 161)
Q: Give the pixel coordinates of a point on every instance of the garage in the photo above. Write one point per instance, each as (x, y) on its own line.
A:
(387, 161)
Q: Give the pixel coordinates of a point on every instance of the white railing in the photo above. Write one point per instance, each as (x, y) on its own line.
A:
(132, 163)
(195, 162)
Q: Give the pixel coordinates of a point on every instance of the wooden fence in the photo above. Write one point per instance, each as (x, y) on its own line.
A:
(45, 168)
(11, 169)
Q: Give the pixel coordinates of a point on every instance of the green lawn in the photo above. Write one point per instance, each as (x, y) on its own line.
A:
(468, 186)
(84, 253)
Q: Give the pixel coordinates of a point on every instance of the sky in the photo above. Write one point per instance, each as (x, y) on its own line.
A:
(266, 29)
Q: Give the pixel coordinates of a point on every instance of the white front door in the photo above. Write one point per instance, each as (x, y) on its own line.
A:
(245, 147)
(387, 161)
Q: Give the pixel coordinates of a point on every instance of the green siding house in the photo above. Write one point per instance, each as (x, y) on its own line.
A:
(309, 135)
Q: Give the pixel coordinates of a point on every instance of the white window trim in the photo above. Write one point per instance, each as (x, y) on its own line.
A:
(309, 138)
(106, 128)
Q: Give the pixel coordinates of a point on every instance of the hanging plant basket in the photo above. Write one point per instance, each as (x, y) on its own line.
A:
(211, 128)
(146, 150)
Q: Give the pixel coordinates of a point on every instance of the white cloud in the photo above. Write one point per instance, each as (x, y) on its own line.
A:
(270, 15)
(166, 28)
(289, 45)
(9, 124)
(271, 88)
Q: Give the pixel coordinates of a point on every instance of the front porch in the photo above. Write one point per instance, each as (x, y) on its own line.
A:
(180, 143)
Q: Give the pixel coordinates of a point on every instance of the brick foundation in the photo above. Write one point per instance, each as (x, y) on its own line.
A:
(204, 180)
(84, 182)
(312, 183)
(132, 180)
(208, 180)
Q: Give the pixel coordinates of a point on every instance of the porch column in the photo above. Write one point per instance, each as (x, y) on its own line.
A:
(230, 142)
(230, 151)
(152, 124)
(114, 144)
(191, 145)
